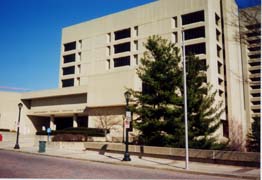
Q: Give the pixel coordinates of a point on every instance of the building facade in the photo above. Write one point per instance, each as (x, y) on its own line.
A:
(250, 38)
(99, 60)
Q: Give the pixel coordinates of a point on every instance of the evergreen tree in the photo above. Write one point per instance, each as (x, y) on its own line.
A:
(253, 138)
(160, 75)
(160, 104)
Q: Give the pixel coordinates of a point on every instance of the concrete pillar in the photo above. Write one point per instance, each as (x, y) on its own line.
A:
(75, 120)
(52, 122)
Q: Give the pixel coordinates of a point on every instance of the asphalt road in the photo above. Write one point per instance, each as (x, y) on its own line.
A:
(22, 165)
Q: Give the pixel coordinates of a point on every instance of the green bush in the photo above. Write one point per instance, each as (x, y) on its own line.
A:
(69, 137)
(93, 132)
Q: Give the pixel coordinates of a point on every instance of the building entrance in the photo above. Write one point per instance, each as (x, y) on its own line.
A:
(63, 122)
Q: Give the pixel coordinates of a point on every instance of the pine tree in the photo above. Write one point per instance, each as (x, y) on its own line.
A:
(203, 114)
(160, 75)
(253, 138)
(160, 104)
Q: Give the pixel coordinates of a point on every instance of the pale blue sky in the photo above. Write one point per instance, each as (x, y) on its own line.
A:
(30, 35)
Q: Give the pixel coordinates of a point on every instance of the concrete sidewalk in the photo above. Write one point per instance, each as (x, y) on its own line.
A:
(146, 162)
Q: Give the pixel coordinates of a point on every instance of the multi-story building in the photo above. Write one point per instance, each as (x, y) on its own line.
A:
(250, 38)
(99, 60)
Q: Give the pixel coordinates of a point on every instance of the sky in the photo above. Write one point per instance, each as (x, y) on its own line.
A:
(30, 36)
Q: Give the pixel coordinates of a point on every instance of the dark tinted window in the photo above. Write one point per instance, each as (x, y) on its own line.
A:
(122, 61)
(196, 49)
(69, 70)
(67, 82)
(70, 46)
(125, 33)
(195, 33)
(193, 17)
(122, 47)
(69, 58)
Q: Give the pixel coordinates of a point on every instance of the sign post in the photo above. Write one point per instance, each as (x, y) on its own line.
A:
(48, 133)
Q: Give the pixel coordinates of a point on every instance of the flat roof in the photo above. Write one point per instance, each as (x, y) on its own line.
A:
(54, 92)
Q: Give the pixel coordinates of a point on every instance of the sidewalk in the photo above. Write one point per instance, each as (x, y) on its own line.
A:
(146, 162)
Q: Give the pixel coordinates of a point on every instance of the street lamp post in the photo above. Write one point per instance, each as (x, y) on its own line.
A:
(128, 113)
(20, 105)
(185, 100)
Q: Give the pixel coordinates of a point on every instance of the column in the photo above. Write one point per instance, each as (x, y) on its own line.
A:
(75, 120)
(52, 122)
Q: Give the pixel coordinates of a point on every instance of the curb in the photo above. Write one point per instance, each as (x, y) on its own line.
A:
(138, 165)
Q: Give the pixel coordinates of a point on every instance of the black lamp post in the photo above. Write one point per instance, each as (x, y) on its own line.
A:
(127, 97)
(20, 105)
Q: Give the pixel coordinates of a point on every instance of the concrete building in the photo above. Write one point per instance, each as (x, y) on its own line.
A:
(99, 60)
(250, 38)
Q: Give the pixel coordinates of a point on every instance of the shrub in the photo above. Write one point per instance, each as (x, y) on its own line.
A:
(5, 130)
(95, 132)
(69, 137)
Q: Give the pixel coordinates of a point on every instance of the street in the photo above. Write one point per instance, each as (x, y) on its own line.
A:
(22, 165)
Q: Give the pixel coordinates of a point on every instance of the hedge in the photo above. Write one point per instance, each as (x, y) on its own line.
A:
(93, 132)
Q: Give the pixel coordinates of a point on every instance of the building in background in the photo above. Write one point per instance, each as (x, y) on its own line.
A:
(99, 60)
(250, 38)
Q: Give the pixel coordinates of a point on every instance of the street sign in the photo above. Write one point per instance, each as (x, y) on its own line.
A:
(48, 130)
(127, 124)
(128, 115)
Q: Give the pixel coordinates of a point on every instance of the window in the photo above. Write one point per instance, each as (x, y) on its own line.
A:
(218, 35)
(254, 63)
(80, 44)
(108, 64)
(256, 86)
(256, 110)
(255, 71)
(255, 102)
(69, 70)
(108, 51)
(136, 30)
(108, 37)
(136, 45)
(70, 46)
(119, 48)
(255, 79)
(193, 17)
(254, 48)
(195, 33)
(254, 56)
(69, 58)
(220, 93)
(217, 18)
(67, 82)
(255, 41)
(174, 22)
(174, 37)
(253, 34)
(122, 61)
(256, 95)
(219, 67)
(203, 65)
(125, 33)
(220, 81)
(196, 49)
(78, 56)
(78, 69)
(218, 51)
(136, 59)
(78, 81)
(225, 128)
(253, 26)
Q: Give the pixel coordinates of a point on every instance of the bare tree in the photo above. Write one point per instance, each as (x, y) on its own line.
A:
(108, 122)
(248, 23)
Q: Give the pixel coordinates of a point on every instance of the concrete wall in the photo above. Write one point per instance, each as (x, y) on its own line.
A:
(9, 110)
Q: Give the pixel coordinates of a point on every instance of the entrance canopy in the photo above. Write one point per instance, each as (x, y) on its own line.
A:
(58, 102)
